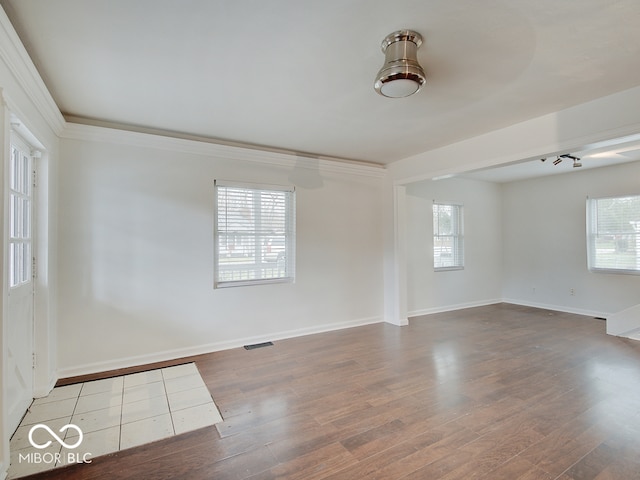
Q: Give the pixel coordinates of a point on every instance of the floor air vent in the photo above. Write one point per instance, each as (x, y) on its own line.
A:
(258, 345)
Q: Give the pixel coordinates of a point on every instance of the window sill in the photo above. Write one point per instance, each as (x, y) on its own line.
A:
(615, 271)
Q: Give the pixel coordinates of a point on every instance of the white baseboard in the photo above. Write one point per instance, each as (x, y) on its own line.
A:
(133, 361)
(481, 303)
(558, 308)
(450, 308)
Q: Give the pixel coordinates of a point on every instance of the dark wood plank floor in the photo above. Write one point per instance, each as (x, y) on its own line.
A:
(497, 392)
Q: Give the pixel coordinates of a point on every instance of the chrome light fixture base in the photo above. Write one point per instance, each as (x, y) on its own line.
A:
(401, 75)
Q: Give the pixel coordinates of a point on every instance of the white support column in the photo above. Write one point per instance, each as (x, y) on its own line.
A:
(395, 284)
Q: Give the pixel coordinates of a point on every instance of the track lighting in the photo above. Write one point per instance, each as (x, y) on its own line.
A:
(576, 160)
(559, 158)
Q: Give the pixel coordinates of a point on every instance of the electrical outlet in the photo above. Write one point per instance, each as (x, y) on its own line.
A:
(572, 291)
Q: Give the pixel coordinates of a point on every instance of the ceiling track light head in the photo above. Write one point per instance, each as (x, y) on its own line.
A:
(559, 158)
(401, 75)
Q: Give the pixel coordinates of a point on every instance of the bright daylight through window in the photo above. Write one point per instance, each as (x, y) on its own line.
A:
(613, 234)
(254, 234)
(448, 239)
(20, 191)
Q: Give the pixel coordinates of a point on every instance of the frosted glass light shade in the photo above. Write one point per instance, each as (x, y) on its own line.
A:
(400, 87)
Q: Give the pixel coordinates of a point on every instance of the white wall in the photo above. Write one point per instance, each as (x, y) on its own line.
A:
(544, 222)
(136, 253)
(481, 280)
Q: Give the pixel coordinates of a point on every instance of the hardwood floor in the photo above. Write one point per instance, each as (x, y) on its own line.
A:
(497, 392)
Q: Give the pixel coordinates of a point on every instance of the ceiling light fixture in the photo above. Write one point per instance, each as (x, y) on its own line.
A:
(401, 75)
(576, 160)
(559, 158)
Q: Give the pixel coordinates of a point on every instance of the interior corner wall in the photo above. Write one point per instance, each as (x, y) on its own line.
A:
(480, 280)
(136, 257)
(544, 237)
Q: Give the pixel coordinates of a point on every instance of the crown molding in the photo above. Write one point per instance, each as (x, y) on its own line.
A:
(77, 131)
(15, 56)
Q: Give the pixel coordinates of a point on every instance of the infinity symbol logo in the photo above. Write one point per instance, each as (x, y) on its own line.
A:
(53, 434)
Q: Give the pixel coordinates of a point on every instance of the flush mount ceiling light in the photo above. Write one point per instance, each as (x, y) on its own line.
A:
(401, 75)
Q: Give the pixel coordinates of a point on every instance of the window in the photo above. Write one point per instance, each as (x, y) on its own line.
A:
(613, 234)
(448, 239)
(254, 231)
(20, 200)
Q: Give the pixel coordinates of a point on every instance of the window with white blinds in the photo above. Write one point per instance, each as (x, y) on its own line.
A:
(254, 231)
(613, 234)
(448, 238)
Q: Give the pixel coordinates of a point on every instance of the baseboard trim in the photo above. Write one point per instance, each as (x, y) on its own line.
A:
(558, 308)
(169, 355)
(451, 308)
(482, 303)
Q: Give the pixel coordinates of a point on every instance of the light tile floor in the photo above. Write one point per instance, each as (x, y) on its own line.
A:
(113, 414)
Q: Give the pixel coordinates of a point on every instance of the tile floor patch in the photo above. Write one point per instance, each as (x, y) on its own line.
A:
(151, 407)
(146, 430)
(112, 414)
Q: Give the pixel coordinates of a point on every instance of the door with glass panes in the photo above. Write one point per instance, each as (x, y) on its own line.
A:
(20, 358)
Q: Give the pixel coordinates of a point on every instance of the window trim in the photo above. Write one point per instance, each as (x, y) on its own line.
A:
(290, 235)
(458, 237)
(592, 234)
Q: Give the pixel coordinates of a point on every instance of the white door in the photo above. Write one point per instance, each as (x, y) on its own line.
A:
(21, 289)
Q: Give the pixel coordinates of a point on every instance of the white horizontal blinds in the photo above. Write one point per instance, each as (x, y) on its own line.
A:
(448, 239)
(613, 233)
(255, 234)
(20, 194)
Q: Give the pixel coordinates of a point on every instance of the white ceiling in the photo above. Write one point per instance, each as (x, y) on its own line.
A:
(298, 74)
